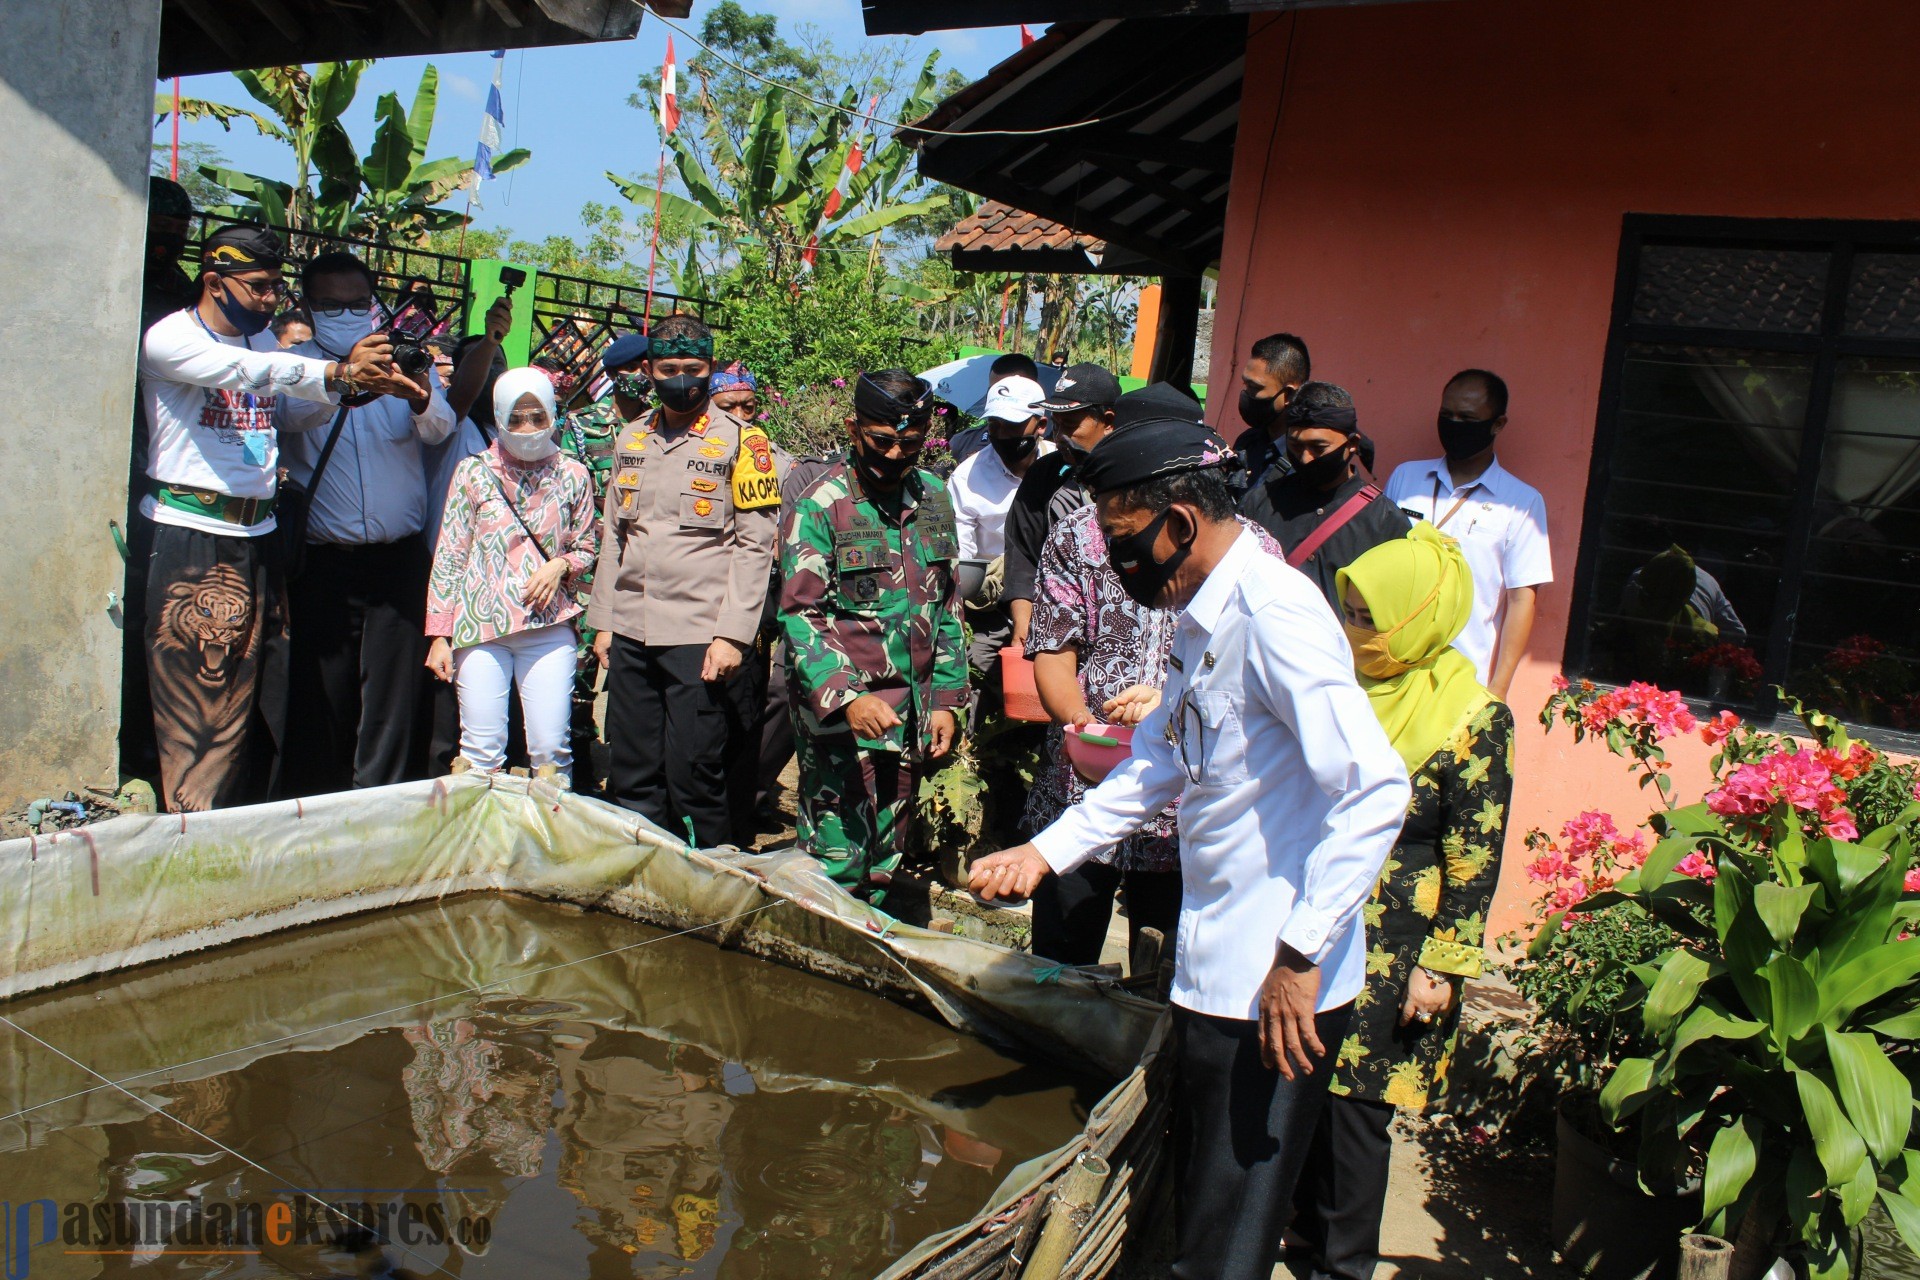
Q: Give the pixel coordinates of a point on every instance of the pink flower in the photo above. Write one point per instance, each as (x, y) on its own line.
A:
(1912, 883)
(1551, 868)
(840, 383)
(1588, 832)
(1568, 895)
(1631, 850)
(1719, 729)
(1697, 866)
(1840, 826)
(1560, 684)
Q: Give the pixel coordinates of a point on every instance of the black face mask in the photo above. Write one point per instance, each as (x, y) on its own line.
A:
(1011, 451)
(1463, 438)
(1325, 472)
(881, 471)
(682, 393)
(1257, 411)
(1143, 578)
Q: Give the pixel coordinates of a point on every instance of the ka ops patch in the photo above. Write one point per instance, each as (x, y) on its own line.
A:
(756, 481)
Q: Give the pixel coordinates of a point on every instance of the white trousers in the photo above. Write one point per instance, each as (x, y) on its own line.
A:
(541, 663)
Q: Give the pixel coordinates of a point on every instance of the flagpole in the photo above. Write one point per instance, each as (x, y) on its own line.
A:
(653, 245)
(173, 166)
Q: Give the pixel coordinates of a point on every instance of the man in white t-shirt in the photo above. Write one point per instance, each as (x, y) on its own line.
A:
(1500, 521)
(213, 381)
(982, 490)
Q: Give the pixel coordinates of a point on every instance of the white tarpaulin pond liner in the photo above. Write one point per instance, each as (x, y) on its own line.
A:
(140, 889)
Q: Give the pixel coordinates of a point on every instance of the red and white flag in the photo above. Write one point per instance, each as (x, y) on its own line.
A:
(1026, 37)
(856, 156)
(669, 94)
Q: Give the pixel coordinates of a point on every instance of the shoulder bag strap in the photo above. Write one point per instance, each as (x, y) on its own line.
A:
(1331, 525)
(524, 526)
(326, 450)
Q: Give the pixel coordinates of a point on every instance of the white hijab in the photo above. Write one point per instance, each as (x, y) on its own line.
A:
(507, 390)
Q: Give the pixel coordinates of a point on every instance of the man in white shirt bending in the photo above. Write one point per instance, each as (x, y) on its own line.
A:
(1290, 799)
(1499, 520)
(358, 609)
(213, 383)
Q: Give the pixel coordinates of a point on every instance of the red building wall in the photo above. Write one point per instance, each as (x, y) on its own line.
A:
(1423, 187)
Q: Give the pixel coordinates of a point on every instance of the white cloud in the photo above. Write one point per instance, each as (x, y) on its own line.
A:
(461, 87)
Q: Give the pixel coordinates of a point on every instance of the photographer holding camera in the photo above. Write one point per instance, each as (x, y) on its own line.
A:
(214, 387)
(357, 606)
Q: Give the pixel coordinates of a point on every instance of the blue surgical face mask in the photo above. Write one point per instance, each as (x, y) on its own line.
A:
(245, 319)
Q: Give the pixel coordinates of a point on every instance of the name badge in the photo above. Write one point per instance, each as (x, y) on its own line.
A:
(253, 447)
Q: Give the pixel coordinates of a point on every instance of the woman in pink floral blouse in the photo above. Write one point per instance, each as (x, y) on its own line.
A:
(520, 525)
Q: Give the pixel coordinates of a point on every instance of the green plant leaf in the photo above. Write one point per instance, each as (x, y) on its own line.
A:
(1856, 1197)
(511, 159)
(1672, 990)
(1855, 862)
(1901, 1026)
(334, 87)
(879, 219)
(1795, 999)
(391, 160)
(1878, 1099)
(1905, 1214)
(1781, 907)
(1731, 1160)
(1839, 1146)
(1627, 1089)
(1866, 978)
(1706, 1023)
(420, 117)
(673, 207)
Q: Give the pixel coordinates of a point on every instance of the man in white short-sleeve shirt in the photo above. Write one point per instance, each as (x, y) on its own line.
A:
(1500, 521)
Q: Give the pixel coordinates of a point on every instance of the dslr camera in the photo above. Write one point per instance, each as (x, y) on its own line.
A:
(412, 324)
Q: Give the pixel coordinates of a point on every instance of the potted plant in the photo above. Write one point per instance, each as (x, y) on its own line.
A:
(1774, 1055)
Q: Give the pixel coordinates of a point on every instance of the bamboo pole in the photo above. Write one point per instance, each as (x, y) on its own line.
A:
(1704, 1258)
(1067, 1217)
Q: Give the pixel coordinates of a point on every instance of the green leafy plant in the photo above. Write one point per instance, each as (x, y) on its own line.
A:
(389, 194)
(1776, 1029)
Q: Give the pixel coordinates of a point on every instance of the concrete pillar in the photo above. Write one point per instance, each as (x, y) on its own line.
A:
(76, 102)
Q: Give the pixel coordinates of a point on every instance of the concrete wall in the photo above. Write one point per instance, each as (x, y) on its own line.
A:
(1421, 188)
(76, 101)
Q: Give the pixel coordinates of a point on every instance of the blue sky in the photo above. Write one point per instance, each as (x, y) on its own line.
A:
(568, 105)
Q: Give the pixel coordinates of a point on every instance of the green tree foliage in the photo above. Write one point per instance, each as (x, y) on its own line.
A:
(194, 156)
(391, 193)
(833, 327)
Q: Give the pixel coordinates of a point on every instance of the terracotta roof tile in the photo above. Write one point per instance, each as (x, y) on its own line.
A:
(995, 226)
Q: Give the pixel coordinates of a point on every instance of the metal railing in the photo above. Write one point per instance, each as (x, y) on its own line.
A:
(574, 317)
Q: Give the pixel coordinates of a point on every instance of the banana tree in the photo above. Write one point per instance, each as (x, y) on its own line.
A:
(390, 194)
(777, 188)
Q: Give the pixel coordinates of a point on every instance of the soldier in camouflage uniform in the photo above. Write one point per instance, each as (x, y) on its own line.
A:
(875, 650)
(588, 435)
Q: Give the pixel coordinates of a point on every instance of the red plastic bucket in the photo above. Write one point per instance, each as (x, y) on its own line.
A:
(1017, 690)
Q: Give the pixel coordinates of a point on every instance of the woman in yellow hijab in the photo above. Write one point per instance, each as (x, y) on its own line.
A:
(1404, 603)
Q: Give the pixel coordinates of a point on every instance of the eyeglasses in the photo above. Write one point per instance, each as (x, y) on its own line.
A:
(265, 290)
(528, 418)
(912, 443)
(334, 310)
(1177, 735)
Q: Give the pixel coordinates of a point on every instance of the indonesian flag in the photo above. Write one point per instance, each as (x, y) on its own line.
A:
(856, 156)
(669, 94)
(1026, 36)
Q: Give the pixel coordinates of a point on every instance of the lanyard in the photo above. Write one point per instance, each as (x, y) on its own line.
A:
(1458, 502)
(195, 313)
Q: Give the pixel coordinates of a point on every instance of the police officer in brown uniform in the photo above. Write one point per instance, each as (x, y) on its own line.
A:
(692, 521)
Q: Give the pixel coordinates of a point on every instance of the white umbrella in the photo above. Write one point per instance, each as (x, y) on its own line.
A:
(964, 383)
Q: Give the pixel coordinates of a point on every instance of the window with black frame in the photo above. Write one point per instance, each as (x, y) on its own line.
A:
(1753, 517)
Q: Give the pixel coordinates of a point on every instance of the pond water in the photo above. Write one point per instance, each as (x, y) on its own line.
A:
(674, 1109)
